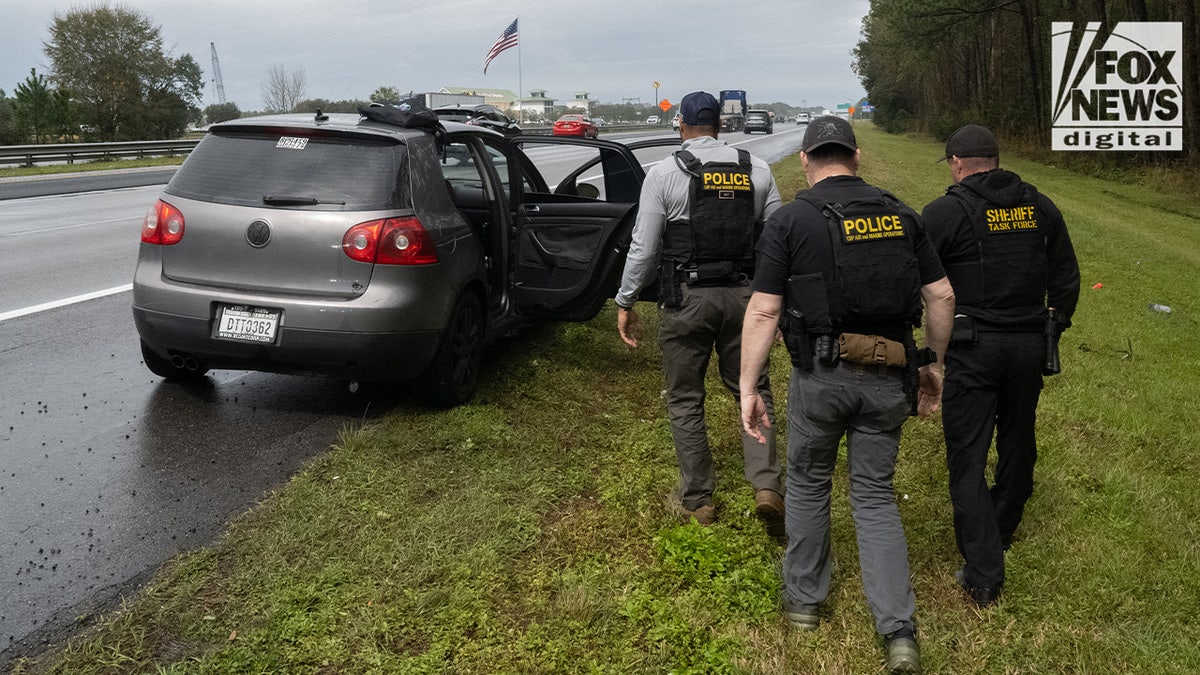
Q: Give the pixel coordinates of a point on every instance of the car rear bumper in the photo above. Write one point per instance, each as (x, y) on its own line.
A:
(352, 355)
(390, 332)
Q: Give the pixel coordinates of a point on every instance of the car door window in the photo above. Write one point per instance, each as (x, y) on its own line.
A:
(577, 172)
(464, 169)
(500, 161)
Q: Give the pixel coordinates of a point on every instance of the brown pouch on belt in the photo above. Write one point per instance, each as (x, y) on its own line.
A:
(871, 350)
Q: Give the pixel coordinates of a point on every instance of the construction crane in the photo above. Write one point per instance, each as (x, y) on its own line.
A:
(217, 75)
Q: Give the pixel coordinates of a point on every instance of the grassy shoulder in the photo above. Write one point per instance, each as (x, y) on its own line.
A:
(526, 532)
(81, 167)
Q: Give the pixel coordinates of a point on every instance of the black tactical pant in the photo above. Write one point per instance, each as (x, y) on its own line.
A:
(991, 386)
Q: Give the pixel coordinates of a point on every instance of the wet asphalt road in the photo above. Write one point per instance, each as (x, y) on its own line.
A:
(106, 471)
(62, 184)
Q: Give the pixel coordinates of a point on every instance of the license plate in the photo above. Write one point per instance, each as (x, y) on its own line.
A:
(246, 324)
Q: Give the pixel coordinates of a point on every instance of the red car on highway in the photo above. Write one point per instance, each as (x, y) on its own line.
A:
(576, 125)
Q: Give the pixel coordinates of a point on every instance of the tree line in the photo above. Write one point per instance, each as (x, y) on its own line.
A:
(935, 65)
(112, 80)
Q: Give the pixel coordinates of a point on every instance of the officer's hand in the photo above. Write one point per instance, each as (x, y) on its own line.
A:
(627, 325)
(754, 413)
(929, 394)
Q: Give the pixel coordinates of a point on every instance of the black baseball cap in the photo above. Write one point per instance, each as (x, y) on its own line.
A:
(829, 129)
(972, 141)
(699, 108)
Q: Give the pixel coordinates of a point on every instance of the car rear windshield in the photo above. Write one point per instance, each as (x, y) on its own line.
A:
(284, 168)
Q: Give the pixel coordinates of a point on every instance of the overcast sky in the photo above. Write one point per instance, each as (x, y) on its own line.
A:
(795, 51)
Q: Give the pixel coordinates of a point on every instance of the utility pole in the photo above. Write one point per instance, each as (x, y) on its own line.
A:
(217, 74)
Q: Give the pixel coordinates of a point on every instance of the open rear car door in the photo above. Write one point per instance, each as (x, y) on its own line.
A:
(571, 235)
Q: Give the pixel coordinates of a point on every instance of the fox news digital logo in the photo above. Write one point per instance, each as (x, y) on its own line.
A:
(1120, 90)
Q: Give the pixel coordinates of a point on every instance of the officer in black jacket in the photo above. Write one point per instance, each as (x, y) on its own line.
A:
(1006, 250)
(847, 267)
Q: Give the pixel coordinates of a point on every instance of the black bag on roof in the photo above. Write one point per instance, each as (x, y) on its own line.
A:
(410, 114)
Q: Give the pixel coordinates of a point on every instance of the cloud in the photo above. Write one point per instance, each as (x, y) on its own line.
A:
(785, 50)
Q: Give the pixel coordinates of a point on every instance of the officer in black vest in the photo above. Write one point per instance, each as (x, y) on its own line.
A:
(698, 218)
(1007, 253)
(847, 266)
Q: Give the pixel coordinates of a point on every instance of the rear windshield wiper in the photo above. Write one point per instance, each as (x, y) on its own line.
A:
(290, 200)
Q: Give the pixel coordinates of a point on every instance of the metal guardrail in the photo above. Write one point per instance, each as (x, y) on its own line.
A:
(69, 153)
(29, 155)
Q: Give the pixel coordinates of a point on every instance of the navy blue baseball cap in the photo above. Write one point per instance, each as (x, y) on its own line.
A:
(700, 108)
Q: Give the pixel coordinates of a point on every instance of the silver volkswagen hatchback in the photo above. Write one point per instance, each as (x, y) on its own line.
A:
(339, 245)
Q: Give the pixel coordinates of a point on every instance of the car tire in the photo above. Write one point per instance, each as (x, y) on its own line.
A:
(454, 372)
(169, 371)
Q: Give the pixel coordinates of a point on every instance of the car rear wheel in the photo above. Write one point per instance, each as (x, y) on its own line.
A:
(454, 373)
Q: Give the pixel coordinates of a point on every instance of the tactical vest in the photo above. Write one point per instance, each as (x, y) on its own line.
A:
(715, 245)
(1011, 268)
(875, 279)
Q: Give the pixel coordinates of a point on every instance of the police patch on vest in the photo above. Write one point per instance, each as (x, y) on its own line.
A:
(1010, 221)
(872, 228)
(726, 183)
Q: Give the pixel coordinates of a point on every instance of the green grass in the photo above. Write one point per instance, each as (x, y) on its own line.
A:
(81, 167)
(526, 532)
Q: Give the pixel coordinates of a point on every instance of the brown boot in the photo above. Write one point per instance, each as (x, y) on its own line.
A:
(768, 504)
(704, 514)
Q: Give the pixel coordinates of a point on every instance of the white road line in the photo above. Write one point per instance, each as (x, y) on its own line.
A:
(107, 221)
(5, 316)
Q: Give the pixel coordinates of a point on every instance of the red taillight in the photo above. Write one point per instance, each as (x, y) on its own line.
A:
(391, 241)
(163, 224)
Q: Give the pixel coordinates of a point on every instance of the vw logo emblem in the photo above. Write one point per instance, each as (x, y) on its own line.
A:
(258, 234)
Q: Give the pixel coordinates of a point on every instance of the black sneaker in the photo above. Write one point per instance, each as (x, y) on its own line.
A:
(903, 653)
(805, 621)
(982, 596)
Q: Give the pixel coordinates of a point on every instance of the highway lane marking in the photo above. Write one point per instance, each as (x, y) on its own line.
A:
(106, 221)
(5, 316)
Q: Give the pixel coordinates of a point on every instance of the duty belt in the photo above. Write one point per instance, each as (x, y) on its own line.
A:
(718, 273)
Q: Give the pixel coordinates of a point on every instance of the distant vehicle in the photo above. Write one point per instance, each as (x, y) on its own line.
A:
(483, 115)
(653, 119)
(733, 109)
(575, 125)
(803, 118)
(675, 121)
(367, 251)
(599, 121)
(758, 120)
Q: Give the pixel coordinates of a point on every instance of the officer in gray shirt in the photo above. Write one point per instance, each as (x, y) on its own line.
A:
(698, 221)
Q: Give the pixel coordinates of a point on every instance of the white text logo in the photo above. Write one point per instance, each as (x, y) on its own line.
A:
(1119, 90)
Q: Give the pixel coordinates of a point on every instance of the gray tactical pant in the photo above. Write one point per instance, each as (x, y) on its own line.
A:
(867, 405)
(710, 319)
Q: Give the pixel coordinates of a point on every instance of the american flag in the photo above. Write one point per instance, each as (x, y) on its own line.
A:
(506, 40)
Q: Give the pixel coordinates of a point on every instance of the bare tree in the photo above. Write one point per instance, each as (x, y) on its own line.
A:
(283, 90)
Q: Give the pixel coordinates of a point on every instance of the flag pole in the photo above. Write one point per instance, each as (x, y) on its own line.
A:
(520, 84)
